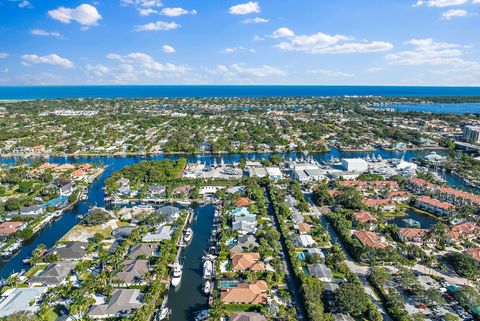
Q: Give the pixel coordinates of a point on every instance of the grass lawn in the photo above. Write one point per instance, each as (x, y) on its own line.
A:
(338, 275)
(51, 315)
(35, 269)
(242, 307)
(83, 233)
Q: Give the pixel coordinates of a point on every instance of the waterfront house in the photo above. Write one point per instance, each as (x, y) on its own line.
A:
(257, 172)
(366, 218)
(384, 205)
(171, 213)
(274, 173)
(122, 232)
(253, 292)
(463, 231)
(34, 210)
(304, 241)
(181, 191)
(8, 228)
(132, 273)
(73, 251)
(320, 271)
(245, 243)
(247, 316)
(246, 261)
(370, 239)
(53, 275)
(121, 304)
(241, 212)
(210, 190)
(157, 191)
(20, 300)
(142, 250)
(245, 224)
(399, 196)
(435, 206)
(416, 235)
(67, 190)
(162, 233)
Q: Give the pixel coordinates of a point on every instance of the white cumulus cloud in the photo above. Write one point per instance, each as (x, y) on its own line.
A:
(283, 32)
(441, 3)
(452, 13)
(242, 71)
(332, 73)
(3, 55)
(245, 8)
(255, 20)
(84, 14)
(168, 49)
(52, 59)
(158, 26)
(44, 33)
(175, 12)
(322, 43)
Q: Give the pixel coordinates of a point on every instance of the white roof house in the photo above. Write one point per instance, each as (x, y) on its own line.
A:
(305, 241)
(274, 173)
(21, 299)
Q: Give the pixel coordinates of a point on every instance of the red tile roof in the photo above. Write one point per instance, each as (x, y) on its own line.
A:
(249, 293)
(474, 253)
(246, 261)
(364, 217)
(436, 203)
(242, 202)
(370, 239)
(7, 228)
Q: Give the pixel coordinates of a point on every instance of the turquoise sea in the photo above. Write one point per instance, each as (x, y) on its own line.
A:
(50, 92)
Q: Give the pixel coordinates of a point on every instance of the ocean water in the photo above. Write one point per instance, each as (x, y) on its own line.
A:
(453, 108)
(51, 92)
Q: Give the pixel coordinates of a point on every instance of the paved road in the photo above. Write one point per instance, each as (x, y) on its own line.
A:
(292, 283)
(359, 270)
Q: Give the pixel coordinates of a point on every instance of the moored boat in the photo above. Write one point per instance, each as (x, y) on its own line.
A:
(177, 274)
(207, 269)
(187, 237)
(207, 287)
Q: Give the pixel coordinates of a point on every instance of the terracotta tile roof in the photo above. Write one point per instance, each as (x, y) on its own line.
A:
(436, 203)
(242, 202)
(411, 233)
(249, 293)
(376, 184)
(7, 228)
(246, 261)
(47, 166)
(398, 194)
(460, 194)
(364, 217)
(466, 228)
(78, 173)
(474, 253)
(377, 202)
(370, 239)
(303, 227)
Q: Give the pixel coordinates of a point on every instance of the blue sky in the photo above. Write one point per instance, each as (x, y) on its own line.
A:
(324, 42)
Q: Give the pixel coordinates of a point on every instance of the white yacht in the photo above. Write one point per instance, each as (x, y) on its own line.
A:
(177, 274)
(207, 287)
(187, 237)
(163, 314)
(207, 269)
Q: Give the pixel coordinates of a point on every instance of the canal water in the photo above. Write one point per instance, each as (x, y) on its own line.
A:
(52, 233)
(425, 221)
(188, 299)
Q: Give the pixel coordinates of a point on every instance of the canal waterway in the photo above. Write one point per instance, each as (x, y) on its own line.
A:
(426, 221)
(53, 232)
(188, 299)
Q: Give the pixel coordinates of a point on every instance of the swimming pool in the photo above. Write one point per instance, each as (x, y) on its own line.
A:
(228, 284)
(301, 256)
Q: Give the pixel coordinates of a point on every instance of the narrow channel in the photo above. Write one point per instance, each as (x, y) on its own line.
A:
(188, 299)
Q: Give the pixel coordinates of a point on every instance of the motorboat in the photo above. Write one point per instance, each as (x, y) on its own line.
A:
(207, 287)
(187, 237)
(207, 269)
(163, 314)
(177, 274)
(183, 202)
(202, 315)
